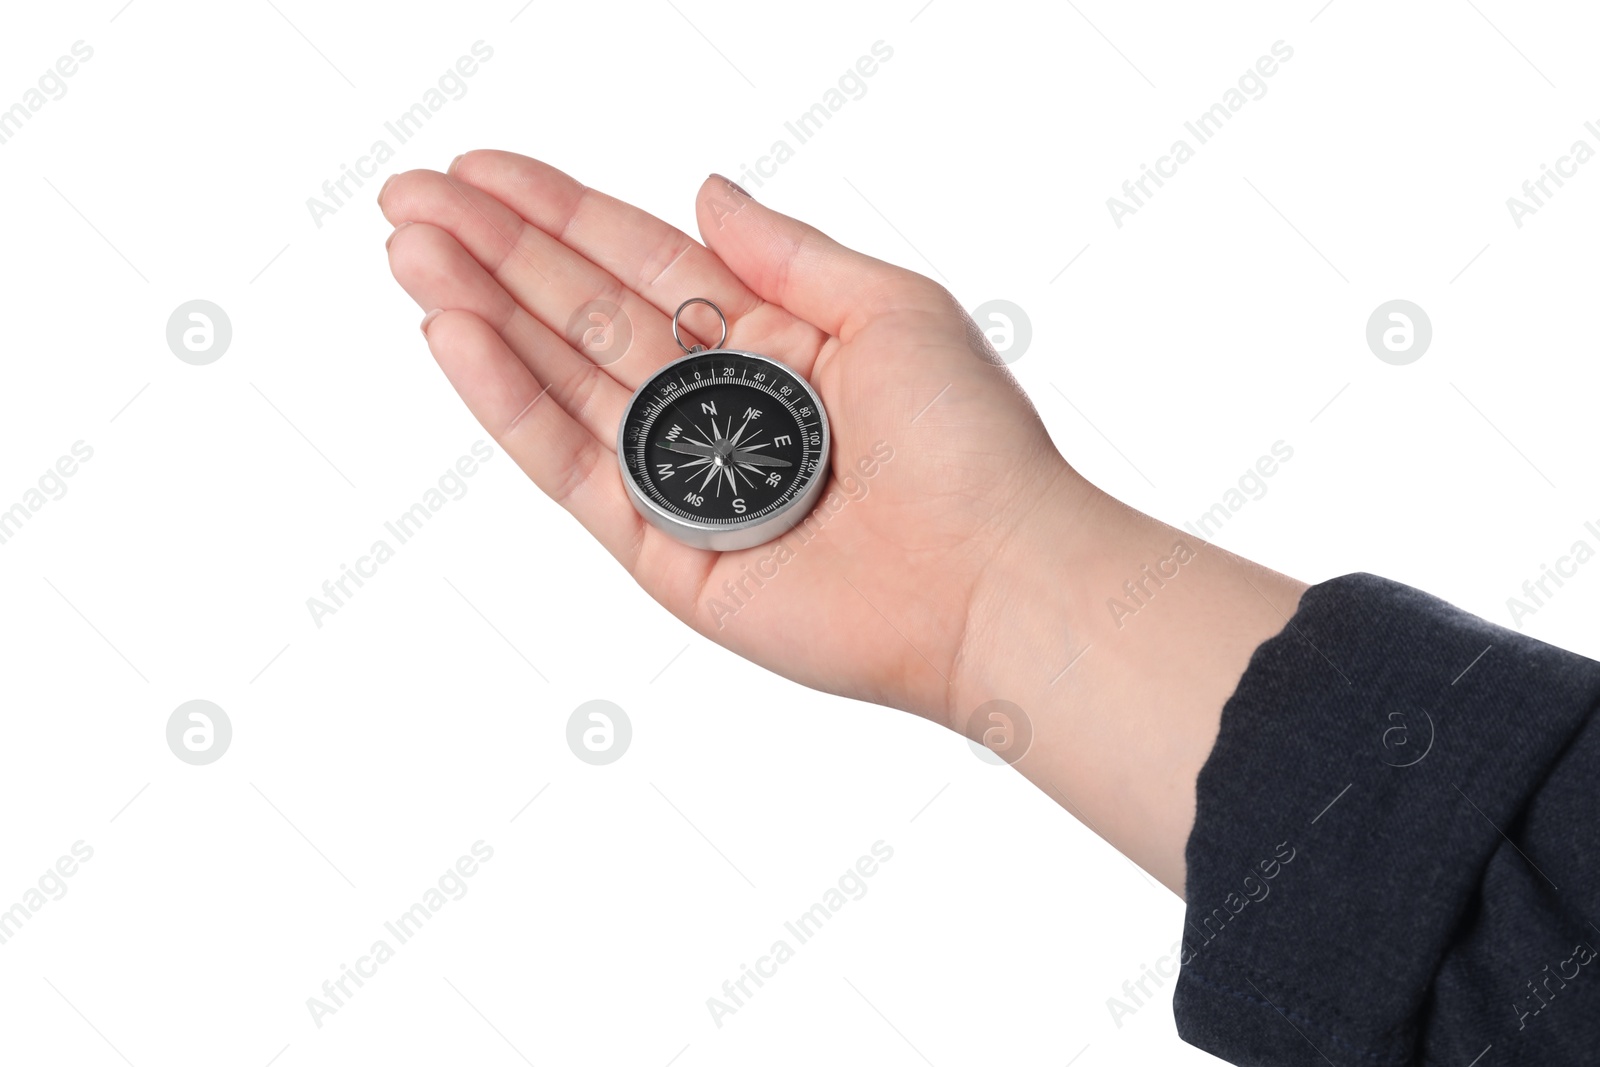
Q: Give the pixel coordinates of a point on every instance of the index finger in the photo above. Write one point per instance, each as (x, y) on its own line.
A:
(653, 258)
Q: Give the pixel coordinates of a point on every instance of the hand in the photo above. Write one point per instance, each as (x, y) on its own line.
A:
(937, 455)
(955, 558)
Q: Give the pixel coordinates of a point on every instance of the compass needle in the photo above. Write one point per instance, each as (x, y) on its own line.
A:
(679, 435)
(753, 460)
(690, 448)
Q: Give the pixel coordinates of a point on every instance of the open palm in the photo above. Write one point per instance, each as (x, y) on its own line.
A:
(937, 457)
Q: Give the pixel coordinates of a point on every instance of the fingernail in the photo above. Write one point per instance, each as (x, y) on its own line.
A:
(451, 169)
(429, 317)
(384, 186)
(731, 182)
(397, 229)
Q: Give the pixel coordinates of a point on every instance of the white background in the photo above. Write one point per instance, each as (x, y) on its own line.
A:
(369, 753)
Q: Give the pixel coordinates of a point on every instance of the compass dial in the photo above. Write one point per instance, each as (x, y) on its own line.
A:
(724, 449)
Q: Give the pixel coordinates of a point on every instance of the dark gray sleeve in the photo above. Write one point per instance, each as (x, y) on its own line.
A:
(1395, 857)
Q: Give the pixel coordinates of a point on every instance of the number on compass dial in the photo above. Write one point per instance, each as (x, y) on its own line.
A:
(724, 437)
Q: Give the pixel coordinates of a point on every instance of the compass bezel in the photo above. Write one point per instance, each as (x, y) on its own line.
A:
(745, 533)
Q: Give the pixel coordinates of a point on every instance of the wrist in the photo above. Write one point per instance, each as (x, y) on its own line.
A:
(1118, 639)
(1026, 622)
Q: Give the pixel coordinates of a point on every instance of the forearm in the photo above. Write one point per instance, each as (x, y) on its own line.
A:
(1120, 638)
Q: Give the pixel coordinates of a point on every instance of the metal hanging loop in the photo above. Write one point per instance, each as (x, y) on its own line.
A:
(698, 348)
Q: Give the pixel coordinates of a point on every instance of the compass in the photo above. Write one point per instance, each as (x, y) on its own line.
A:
(723, 449)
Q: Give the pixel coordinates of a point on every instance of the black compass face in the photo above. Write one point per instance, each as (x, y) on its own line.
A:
(722, 438)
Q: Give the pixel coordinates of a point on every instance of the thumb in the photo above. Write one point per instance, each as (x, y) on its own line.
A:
(800, 268)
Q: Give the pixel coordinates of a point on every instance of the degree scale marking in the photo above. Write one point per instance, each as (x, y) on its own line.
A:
(659, 404)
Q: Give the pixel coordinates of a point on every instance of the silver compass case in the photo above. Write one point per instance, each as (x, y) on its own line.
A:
(727, 536)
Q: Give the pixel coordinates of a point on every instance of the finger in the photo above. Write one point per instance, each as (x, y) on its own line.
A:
(658, 261)
(564, 459)
(802, 269)
(437, 272)
(555, 284)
